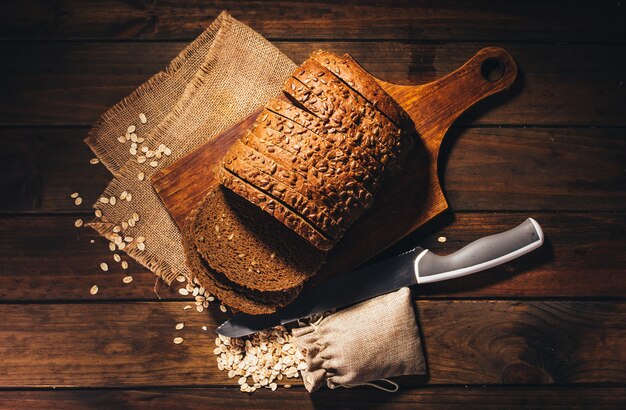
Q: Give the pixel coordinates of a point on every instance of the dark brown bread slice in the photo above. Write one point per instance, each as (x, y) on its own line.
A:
(311, 152)
(250, 248)
(240, 164)
(277, 209)
(357, 78)
(343, 210)
(334, 136)
(229, 293)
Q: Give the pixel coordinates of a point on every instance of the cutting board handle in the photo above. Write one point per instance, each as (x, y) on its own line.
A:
(436, 105)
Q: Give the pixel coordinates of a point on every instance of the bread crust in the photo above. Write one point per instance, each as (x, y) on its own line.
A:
(276, 209)
(357, 78)
(255, 171)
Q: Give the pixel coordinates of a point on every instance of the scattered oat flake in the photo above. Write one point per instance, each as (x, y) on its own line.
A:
(187, 307)
(112, 246)
(92, 241)
(104, 200)
(104, 266)
(442, 239)
(143, 118)
(98, 213)
(141, 246)
(223, 308)
(74, 195)
(78, 201)
(131, 129)
(154, 164)
(94, 289)
(183, 291)
(78, 223)
(179, 326)
(117, 257)
(94, 161)
(178, 340)
(124, 265)
(127, 279)
(287, 386)
(180, 278)
(141, 176)
(204, 328)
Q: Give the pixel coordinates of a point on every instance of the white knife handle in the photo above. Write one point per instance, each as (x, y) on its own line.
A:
(483, 253)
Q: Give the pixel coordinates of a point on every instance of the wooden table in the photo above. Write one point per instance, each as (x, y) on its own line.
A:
(546, 330)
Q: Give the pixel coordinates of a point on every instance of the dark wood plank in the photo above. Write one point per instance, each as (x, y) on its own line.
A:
(73, 83)
(466, 342)
(427, 398)
(481, 169)
(46, 258)
(581, 21)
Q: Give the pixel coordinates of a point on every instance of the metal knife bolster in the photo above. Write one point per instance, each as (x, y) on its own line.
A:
(484, 253)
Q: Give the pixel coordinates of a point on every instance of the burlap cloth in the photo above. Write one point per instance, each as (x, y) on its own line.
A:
(221, 77)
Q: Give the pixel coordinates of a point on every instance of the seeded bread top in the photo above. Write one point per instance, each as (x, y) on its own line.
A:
(355, 76)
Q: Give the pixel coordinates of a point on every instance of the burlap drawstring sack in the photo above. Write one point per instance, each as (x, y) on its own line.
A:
(218, 79)
(363, 345)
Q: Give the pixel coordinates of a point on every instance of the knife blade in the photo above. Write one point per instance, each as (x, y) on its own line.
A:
(417, 266)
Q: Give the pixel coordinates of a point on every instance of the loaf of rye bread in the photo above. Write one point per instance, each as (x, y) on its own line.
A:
(295, 182)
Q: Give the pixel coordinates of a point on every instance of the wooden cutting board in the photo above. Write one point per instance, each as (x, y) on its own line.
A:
(405, 201)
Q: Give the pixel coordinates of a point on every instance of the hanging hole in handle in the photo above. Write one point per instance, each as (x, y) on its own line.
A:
(492, 69)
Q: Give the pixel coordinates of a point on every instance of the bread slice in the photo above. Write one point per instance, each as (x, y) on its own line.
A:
(334, 136)
(311, 152)
(241, 161)
(357, 78)
(344, 211)
(277, 209)
(230, 293)
(250, 248)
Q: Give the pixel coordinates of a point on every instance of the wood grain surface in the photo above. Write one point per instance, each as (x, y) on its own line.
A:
(545, 331)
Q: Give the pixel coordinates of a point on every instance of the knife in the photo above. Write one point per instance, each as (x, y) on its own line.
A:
(417, 266)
